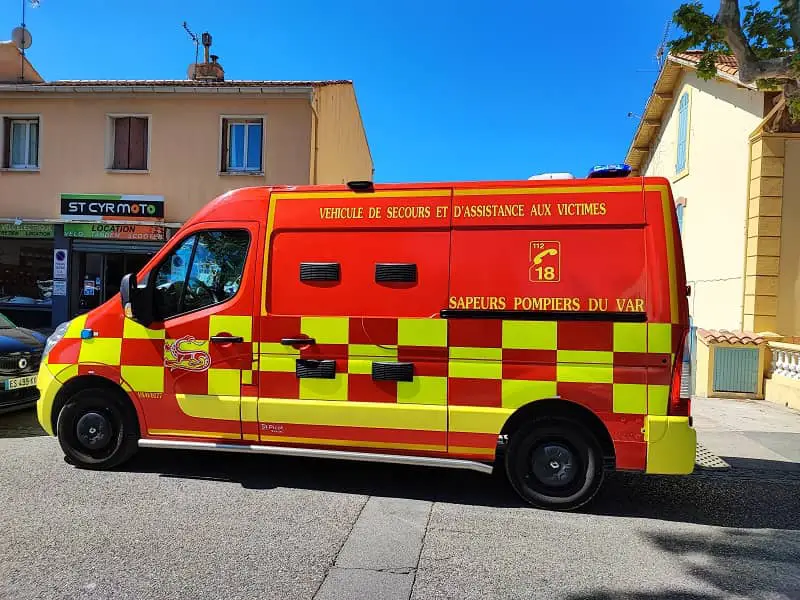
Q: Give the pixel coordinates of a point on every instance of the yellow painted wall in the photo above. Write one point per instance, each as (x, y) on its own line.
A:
(783, 391)
(702, 373)
(789, 275)
(341, 139)
(721, 118)
(184, 148)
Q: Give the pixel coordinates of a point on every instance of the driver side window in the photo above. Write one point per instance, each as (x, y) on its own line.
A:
(204, 270)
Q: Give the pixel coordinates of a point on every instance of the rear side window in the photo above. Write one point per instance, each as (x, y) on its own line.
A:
(204, 269)
(359, 273)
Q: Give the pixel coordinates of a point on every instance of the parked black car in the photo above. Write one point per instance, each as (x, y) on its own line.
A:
(20, 355)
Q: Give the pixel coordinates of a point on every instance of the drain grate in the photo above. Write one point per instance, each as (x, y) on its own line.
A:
(705, 459)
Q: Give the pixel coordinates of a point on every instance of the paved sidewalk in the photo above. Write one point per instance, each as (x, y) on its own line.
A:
(749, 433)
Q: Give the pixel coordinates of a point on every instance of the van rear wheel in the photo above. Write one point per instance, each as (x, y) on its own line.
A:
(554, 464)
(97, 428)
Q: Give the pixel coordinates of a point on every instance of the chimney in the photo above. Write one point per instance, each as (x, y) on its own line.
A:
(207, 70)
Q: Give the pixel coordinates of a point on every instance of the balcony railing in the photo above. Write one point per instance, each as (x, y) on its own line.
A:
(785, 360)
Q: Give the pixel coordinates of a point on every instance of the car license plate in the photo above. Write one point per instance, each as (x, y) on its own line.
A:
(20, 382)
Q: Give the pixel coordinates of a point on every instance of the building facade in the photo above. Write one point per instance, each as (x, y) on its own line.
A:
(96, 175)
(732, 155)
(696, 133)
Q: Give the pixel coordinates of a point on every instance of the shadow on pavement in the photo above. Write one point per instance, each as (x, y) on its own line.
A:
(734, 562)
(758, 464)
(20, 424)
(750, 498)
(743, 498)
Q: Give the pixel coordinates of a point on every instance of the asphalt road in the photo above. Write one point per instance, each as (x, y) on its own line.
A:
(208, 526)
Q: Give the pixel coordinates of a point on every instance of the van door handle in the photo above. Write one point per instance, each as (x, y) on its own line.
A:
(227, 339)
(298, 341)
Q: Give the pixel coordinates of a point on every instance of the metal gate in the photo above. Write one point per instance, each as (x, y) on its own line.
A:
(736, 370)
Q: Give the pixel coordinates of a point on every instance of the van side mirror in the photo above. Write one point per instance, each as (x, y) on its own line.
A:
(127, 290)
(137, 302)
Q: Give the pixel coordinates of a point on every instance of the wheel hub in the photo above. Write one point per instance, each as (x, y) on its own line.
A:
(94, 431)
(553, 464)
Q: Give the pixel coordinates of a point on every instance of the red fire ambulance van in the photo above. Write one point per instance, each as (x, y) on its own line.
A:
(532, 326)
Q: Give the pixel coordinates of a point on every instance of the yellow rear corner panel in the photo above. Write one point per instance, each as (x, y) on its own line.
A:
(671, 445)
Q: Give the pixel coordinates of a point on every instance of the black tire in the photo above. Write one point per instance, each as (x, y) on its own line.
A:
(98, 429)
(554, 464)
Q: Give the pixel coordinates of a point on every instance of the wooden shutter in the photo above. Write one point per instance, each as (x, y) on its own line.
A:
(122, 129)
(683, 133)
(137, 149)
(223, 166)
(6, 142)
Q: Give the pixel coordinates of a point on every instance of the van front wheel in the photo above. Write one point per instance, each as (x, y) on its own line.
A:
(554, 464)
(98, 429)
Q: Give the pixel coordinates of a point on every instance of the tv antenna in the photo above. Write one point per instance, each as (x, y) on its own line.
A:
(662, 47)
(196, 41)
(22, 37)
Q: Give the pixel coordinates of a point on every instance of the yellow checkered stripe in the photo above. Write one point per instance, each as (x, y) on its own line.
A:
(150, 378)
(484, 363)
(334, 331)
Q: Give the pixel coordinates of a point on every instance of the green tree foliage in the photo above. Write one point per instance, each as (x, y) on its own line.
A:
(764, 40)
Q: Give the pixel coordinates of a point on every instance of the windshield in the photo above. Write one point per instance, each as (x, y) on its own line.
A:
(5, 322)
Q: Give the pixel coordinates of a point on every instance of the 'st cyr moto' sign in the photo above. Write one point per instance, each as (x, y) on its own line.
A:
(111, 207)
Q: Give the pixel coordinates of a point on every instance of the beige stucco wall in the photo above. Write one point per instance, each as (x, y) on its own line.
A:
(343, 153)
(721, 118)
(184, 148)
(13, 67)
(789, 275)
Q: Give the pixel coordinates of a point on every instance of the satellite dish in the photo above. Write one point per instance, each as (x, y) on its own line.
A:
(21, 37)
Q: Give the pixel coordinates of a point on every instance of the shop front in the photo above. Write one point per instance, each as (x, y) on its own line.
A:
(102, 253)
(26, 273)
(104, 236)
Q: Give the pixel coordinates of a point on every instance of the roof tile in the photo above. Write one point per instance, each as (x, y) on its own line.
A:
(725, 63)
(723, 336)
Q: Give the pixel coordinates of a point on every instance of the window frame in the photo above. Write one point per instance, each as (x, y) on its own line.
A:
(226, 122)
(111, 139)
(684, 120)
(153, 275)
(7, 144)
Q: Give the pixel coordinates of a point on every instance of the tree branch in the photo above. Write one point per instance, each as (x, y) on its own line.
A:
(750, 68)
(791, 8)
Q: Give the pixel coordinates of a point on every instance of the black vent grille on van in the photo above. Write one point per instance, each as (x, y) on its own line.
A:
(386, 371)
(395, 272)
(315, 369)
(319, 272)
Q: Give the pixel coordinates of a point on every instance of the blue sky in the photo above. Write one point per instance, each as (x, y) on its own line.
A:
(448, 89)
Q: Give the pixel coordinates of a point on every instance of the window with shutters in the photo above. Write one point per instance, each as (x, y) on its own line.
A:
(129, 143)
(682, 159)
(21, 143)
(242, 149)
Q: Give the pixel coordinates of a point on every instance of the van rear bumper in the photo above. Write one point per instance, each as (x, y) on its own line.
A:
(671, 445)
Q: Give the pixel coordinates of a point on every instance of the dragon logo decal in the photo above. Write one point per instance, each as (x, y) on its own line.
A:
(181, 355)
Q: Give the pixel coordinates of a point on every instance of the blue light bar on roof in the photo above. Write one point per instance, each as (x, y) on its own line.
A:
(620, 170)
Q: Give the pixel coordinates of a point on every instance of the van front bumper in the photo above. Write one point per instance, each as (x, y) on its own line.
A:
(671, 445)
(48, 387)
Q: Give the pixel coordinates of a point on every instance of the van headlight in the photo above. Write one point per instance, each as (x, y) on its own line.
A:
(54, 338)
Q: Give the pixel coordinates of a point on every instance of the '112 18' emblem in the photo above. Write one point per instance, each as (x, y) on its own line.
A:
(545, 262)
